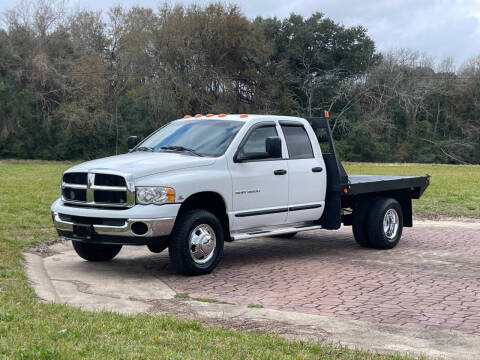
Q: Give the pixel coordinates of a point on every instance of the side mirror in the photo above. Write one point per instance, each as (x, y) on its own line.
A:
(132, 141)
(273, 146)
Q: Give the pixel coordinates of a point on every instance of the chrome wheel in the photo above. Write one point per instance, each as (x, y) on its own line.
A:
(391, 224)
(202, 243)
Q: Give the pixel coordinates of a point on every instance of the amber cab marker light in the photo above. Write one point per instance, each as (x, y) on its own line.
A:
(187, 116)
(243, 115)
(209, 115)
(325, 112)
(198, 115)
(222, 115)
(345, 190)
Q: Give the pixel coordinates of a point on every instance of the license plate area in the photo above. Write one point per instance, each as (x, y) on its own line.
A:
(82, 231)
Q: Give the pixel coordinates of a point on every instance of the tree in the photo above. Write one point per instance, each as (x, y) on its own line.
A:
(74, 84)
(320, 56)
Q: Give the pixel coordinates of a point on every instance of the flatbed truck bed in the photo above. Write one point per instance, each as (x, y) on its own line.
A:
(364, 184)
(349, 196)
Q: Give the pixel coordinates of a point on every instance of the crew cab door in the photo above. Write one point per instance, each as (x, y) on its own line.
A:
(307, 174)
(260, 184)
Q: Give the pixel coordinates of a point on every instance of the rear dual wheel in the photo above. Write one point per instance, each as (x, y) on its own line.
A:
(378, 223)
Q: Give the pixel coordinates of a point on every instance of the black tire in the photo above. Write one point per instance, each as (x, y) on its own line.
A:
(96, 252)
(376, 234)
(286, 236)
(179, 249)
(157, 246)
(359, 222)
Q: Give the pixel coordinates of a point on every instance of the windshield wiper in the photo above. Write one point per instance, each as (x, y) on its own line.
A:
(145, 148)
(180, 148)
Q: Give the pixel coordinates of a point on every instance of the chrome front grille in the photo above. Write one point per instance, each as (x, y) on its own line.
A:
(97, 189)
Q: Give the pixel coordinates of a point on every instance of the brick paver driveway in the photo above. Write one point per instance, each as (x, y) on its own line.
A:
(431, 279)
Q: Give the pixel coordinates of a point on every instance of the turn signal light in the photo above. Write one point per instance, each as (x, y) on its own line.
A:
(170, 195)
(325, 112)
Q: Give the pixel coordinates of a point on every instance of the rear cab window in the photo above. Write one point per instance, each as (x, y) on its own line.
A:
(298, 142)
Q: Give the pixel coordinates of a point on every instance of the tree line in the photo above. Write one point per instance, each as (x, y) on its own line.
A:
(75, 84)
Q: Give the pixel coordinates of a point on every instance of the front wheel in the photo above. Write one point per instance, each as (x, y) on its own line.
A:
(96, 252)
(385, 223)
(196, 243)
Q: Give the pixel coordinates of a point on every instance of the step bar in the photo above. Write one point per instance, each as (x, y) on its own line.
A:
(272, 232)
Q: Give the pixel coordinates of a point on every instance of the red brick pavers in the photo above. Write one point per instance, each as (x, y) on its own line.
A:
(430, 280)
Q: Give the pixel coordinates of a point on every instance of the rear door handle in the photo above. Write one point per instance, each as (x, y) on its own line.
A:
(317, 169)
(280, 172)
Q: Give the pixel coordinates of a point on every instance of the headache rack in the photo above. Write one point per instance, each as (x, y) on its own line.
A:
(337, 178)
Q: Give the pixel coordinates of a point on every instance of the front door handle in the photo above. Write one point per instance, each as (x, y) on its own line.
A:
(280, 172)
(317, 169)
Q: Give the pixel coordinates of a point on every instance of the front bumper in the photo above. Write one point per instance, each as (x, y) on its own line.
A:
(95, 225)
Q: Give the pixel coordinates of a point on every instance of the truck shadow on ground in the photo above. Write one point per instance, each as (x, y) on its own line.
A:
(257, 252)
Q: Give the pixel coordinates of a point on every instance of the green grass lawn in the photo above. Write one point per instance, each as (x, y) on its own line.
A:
(33, 330)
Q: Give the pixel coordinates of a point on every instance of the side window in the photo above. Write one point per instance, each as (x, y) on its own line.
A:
(298, 142)
(254, 147)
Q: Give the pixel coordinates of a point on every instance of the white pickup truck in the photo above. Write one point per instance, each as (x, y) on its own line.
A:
(200, 181)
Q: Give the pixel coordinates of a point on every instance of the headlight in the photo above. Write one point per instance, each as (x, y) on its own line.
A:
(155, 195)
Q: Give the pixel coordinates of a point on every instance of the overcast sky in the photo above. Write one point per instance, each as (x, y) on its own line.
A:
(438, 28)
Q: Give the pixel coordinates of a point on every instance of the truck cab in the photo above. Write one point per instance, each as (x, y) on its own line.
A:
(200, 181)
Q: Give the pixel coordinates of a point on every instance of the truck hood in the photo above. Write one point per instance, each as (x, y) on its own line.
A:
(140, 164)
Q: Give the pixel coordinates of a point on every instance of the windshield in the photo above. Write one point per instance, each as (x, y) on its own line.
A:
(196, 137)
